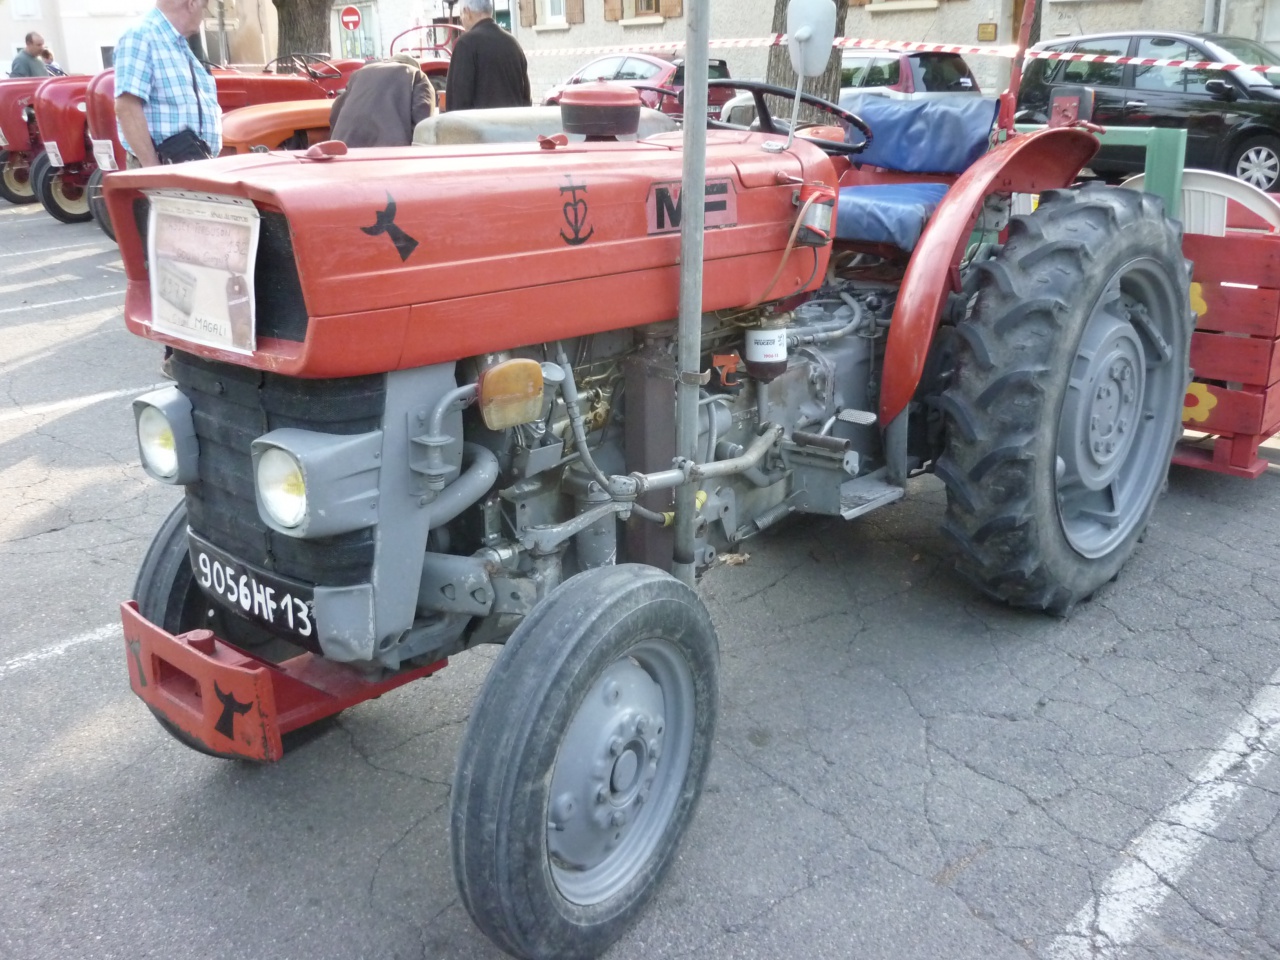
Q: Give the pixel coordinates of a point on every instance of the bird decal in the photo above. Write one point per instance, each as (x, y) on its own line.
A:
(231, 708)
(386, 223)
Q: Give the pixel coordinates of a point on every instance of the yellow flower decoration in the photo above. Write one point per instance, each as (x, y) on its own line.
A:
(1198, 403)
(1198, 306)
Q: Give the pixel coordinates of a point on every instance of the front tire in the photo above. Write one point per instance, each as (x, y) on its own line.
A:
(15, 182)
(97, 205)
(39, 169)
(1068, 396)
(63, 200)
(1257, 163)
(583, 762)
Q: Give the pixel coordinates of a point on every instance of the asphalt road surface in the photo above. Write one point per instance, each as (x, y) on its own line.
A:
(902, 769)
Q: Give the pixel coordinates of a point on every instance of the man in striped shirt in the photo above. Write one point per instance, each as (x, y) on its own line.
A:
(161, 88)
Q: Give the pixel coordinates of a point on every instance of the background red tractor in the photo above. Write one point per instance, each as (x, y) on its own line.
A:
(297, 78)
(19, 139)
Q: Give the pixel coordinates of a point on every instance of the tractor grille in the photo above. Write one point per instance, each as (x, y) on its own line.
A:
(233, 406)
(279, 309)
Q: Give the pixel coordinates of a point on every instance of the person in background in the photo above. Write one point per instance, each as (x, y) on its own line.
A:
(50, 64)
(382, 104)
(166, 101)
(488, 68)
(28, 63)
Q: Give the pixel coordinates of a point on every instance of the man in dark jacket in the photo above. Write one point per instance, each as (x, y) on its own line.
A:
(488, 68)
(382, 104)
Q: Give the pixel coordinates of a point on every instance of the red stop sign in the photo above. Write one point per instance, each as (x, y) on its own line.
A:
(350, 18)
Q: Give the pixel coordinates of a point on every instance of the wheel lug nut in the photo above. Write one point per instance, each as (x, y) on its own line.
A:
(602, 795)
(655, 749)
(642, 726)
(615, 746)
(619, 819)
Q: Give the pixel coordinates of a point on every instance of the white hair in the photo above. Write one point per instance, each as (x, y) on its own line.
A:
(483, 8)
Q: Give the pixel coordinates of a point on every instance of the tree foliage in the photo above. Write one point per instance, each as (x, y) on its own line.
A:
(304, 26)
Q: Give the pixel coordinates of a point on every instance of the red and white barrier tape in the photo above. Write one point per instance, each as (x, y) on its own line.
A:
(1008, 51)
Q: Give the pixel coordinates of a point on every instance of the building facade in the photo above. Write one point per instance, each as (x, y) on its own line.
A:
(83, 33)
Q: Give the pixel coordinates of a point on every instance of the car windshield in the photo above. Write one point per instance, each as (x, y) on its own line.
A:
(716, 70)
(1247, 51)
(944, 73)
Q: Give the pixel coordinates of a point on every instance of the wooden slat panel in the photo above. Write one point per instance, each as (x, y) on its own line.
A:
(1251, 360)
(1230, 411)
(1238, 310)
(1235, 258)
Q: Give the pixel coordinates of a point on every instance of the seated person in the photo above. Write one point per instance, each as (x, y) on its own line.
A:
(382, 104)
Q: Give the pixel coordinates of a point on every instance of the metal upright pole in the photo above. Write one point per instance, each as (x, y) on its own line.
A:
(222, 33)
(692, 203)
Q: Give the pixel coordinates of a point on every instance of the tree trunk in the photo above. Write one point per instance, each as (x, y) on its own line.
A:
(780, 73)
(304, 26)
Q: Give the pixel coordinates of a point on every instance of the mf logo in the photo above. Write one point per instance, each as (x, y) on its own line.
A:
(663, 206)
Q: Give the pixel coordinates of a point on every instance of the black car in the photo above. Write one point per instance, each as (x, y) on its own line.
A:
(1232, 117)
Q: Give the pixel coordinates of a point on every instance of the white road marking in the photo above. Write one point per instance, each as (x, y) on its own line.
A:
(59, 303)
(106, 248)
(1159, 857)
(74, 403)
(58, 649)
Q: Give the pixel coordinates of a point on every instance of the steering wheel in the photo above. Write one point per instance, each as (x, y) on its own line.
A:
(660, 91)
(764, 117)
(304, 62)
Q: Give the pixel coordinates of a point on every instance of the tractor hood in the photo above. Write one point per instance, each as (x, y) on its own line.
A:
(382, 259)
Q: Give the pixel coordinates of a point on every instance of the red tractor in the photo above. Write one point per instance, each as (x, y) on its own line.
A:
(432, 45)
(19, 139)
(295, 79)
(60, 175)
(429, 399)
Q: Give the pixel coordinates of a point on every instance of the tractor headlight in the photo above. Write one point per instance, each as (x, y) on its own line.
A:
(282, 488)
(166, 436)
(313, 484)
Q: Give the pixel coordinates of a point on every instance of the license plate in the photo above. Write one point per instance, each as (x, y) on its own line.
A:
(281, 605)
(55, 155)
(104, 152)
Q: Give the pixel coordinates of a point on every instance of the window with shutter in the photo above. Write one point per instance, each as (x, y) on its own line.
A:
(528, 13)
(671, 8)
(575, 11)
(613, 9)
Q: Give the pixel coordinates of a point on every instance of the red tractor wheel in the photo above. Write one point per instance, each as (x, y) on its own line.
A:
(15, 181)
(98, 206)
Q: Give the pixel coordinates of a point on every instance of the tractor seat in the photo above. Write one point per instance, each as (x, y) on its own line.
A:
(940, 137)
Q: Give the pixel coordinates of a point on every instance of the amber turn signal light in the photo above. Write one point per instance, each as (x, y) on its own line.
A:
(511, 393)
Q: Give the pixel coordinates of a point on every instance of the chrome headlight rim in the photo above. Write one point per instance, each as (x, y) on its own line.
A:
(157, 443)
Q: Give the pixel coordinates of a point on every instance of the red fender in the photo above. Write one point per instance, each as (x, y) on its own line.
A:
(1028, 163)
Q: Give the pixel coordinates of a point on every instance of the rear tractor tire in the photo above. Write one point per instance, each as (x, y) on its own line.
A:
(583, 761)
(1068, 394)
(15, 182)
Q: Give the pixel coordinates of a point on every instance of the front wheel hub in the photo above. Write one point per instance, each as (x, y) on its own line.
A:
(605, 767)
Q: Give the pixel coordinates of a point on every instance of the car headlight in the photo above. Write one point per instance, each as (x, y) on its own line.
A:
(167, 436)
(282, 488)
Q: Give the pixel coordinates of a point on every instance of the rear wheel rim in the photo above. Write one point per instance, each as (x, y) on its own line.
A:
(19, 187)
(1259, 166)
(620, 771)
(1117, 417)
(70, 199)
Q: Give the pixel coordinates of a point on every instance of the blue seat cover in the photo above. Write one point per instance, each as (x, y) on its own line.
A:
(893, 213)
(945, 135)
